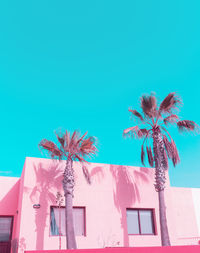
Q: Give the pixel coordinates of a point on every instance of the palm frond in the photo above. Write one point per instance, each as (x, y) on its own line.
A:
(61, 139)
(169, 103)
(88, 147)
(175, 158)
(74, 140)
(79, 158)
(74, 145)
(187, 125)
(135, 131)
(131, 131)
(67, 140)
(82, 137)
(142, 155)
(149, 106)
(171, 149)
(170, 119)
(142, 132)
(51, 147)
(137, 114)
(150, 156)
(168, 147)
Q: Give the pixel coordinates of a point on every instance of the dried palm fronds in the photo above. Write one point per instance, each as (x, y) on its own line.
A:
(150, 156)
(87, 146)
(187, 125)
(170, 102)
(175, 157)
(168, 147)
(73, 146)
(170, 119)
(61, 139)
(51, 147)
(171, 149)
(136, 132)
(137, 114)
(149, 106)
(67, 140)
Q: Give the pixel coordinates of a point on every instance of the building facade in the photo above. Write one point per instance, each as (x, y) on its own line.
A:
(118, 208)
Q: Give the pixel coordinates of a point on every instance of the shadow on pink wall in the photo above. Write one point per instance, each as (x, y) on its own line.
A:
(97, 173)
(9, 202)
(126, 192)
(47, 178)
(8, 206)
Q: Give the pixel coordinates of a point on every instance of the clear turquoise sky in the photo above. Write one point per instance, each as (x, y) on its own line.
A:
(81, 64)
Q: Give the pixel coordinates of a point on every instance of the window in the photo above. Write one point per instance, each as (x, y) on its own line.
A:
(5, 228)
(79, 221)
(140, 222)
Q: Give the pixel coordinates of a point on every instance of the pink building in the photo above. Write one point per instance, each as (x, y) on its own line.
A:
(118, 209)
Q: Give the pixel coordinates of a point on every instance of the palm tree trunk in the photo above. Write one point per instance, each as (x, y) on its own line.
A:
(163, 220)
(160, 167)
(68, 187)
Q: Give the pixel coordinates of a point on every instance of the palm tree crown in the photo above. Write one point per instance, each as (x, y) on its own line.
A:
(156, 118)
(71, 146)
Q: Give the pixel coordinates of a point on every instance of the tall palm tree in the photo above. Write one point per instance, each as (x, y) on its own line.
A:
(155, 134)
(72, 147)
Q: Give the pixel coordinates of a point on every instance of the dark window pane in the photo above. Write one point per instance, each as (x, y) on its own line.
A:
(132, 222)
(54, 227)
(5, 228)
(146, 222)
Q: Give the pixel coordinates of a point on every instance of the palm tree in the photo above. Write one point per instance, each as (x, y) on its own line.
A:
(72, 147)
(155, 134)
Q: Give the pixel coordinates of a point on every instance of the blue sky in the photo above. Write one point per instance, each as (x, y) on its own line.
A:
(82, 64)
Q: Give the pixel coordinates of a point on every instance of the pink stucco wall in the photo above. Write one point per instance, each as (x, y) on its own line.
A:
(113, 189)
(187, 231)
(9, 192)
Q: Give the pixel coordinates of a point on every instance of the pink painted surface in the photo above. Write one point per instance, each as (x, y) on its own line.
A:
(9, 187)
(184, 215)
(113, 189)
(9, 192)
(172, 249)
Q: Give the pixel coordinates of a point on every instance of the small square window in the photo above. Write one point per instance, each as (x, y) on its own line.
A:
(140, 222)
(58, 217)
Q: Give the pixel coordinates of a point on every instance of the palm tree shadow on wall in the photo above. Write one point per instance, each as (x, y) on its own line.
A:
(97, 174)
(48, 178)
(126, 192)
